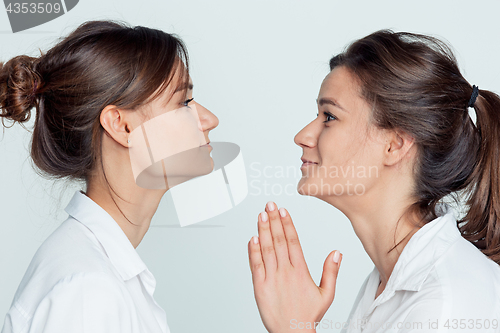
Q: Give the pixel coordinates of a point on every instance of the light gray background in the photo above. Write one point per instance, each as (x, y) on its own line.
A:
(258, 66)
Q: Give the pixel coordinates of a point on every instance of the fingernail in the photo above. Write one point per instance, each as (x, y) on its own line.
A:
(336, 257)
(270, 206)
(282, 212)
(263, 216)
(255, 239)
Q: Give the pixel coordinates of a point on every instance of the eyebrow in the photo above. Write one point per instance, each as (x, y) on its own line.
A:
(189, 87)
(330, 101)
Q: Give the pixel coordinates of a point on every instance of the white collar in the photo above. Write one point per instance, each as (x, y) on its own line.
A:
(420, 254)
(117, 246)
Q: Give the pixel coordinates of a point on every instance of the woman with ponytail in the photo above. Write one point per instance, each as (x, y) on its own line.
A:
(89, 92)
(395, 110)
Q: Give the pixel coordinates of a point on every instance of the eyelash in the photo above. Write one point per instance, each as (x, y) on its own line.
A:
(186, 102)
(328, 114)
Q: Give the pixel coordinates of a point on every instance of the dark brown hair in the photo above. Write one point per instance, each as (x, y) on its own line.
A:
(101, 63)
(413, 84)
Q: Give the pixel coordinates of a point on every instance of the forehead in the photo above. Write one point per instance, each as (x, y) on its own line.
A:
(339, 82)
(343, 87)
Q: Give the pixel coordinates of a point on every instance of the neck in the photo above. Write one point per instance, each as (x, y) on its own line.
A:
(379, 221)
(131, 206)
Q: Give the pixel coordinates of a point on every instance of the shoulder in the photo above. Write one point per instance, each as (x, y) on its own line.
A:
(464, 265)
(86, 288)
(75, 302)
(72, 248)
(463, 283)
(71, 256)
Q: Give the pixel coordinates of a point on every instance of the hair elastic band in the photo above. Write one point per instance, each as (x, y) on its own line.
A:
(475, 93)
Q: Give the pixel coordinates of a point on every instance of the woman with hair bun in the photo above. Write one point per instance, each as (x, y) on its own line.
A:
(394, 108)
(90, 91)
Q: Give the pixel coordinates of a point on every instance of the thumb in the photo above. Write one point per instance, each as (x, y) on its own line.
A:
(329, 278)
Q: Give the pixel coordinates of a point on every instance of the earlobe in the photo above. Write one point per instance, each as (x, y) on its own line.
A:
(114, 123)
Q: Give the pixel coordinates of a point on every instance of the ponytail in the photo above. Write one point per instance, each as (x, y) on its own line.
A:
(482, 226)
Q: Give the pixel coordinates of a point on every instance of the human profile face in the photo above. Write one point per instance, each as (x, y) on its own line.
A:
(172, 144)
(342, 150)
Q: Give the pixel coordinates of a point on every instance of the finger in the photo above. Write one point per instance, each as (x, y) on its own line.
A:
(256, 264)
(266, 244)
(278, 234)
(329, 278)
(292, 239)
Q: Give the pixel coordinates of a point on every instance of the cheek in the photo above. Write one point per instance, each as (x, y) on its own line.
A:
(339, 145)
(348, 155)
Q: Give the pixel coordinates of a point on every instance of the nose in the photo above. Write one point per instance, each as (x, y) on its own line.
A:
(207, 119)
(307, 137)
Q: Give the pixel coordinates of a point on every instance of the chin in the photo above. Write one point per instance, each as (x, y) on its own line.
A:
(304, 188)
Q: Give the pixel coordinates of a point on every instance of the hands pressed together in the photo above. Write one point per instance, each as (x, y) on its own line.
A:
(285, 292)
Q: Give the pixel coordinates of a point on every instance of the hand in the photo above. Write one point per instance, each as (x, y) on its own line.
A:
(285, 292)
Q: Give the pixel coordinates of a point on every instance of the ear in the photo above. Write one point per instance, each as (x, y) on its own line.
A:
(398, 147)
(115, 123)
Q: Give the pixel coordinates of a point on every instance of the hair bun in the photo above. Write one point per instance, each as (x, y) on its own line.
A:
(18, 86)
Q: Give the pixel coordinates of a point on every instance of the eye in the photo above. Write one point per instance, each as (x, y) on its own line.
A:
(328, 116)
(186, 102)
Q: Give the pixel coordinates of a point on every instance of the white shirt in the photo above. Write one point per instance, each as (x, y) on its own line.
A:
(86, 277)
(440, 283)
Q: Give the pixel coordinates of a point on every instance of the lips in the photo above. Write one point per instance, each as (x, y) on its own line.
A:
(206, 144)
(307, 161)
